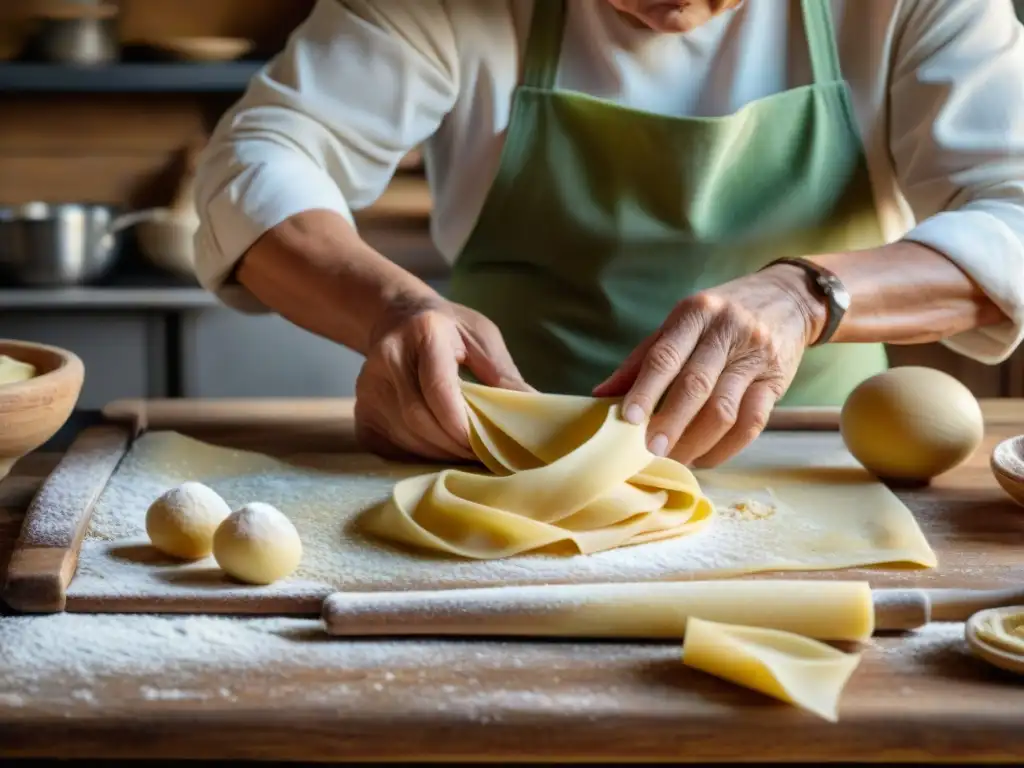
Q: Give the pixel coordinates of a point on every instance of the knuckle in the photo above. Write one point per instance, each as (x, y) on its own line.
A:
(427, 321)
(664, 358)
(706, 301)
(761, 335)
(726, 409)
(696, 383)
(390, 348)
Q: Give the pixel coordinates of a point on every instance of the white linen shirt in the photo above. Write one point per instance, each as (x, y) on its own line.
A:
(937, 87)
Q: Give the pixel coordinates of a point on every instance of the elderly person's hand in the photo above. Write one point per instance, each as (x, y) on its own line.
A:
(408, 400)
(721, 360)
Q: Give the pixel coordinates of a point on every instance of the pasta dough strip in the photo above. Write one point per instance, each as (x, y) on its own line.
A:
(786, 666)
(565, 470)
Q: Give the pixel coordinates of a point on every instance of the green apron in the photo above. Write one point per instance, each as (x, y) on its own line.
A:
(602, 218)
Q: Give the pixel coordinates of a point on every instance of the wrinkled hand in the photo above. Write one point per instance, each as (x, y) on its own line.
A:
(721, 360)
(408, 400)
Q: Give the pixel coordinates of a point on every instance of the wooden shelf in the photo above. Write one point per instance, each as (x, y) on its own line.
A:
(227, 77)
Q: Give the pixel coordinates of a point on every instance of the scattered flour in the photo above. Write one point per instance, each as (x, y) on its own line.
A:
(71, 487)
(749, 509)
(68, 661)
(173, 694)
(325, 495)
(11, 699)
(931, 645)
(84, 694)
(209, 659)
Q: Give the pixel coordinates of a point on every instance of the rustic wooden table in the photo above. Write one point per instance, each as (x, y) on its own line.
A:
(914, 698)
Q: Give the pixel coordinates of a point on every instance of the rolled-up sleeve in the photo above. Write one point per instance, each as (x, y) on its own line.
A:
(957, 140)
(323, 126)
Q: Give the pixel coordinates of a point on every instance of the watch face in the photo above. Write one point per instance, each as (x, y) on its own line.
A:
(835, 290)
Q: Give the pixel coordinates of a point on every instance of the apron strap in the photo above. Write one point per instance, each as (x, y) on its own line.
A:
(544, 45)
(821, 39)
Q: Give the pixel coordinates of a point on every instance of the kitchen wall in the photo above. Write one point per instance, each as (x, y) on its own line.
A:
(144, 333)
(154, 335)
(117, 148)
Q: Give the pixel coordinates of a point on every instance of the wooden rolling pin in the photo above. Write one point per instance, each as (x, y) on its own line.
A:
(826, 610)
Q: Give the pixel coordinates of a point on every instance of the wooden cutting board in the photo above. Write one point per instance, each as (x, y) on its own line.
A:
(45, 559)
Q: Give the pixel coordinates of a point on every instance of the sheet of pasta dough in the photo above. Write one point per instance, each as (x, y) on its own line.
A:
(790, 502)
(789, 667)
(564, 472)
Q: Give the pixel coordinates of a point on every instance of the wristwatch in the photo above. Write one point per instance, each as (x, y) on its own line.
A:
(826, 284)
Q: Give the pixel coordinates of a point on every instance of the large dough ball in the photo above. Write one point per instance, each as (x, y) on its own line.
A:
(182, 521)
(257, 544)
(911, 423)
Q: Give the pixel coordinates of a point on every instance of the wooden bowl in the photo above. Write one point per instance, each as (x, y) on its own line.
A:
(32, 411)
(1007, 465)
(205, 48)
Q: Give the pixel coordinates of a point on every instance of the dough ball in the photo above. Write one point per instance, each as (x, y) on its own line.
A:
(911, 423)
(257, 544)
(182, 521)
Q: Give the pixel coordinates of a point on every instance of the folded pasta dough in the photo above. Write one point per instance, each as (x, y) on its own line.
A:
(1003, 630)
(564, 469)
(793, 668)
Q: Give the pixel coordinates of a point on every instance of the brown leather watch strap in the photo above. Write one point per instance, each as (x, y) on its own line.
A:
(825, 283)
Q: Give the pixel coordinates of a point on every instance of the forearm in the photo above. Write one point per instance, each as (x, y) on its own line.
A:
(315, 270)
(904, 293)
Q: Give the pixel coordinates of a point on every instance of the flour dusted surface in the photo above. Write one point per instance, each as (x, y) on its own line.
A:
(324, 496)
(214, 661)
(70, 488)
(77, 662)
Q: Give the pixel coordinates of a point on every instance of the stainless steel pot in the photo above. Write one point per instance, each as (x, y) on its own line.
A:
(43, 244)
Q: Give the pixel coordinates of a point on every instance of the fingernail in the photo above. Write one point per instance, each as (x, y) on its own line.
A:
(634, 414)
(659, 445)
